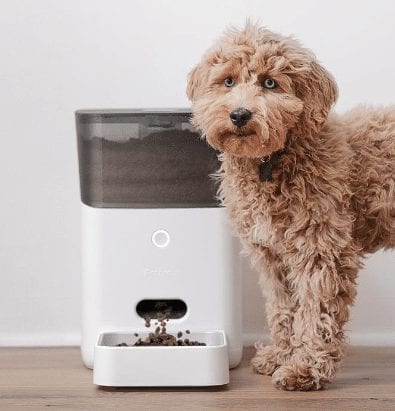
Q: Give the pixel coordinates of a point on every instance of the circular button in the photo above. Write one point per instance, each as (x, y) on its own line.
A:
(161, 238)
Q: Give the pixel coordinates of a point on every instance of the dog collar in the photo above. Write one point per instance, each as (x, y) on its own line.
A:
(266, 166)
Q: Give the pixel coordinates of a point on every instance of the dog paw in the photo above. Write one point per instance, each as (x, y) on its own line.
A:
(266, 360)
(291, 378)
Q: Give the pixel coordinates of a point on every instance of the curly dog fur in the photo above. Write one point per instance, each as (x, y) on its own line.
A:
(331, 199)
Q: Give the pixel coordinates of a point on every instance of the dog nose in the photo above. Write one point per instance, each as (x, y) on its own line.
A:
(240, 116)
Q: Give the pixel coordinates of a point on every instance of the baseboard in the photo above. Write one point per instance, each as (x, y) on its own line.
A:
(43, 340)
(380, 340)
(249, 339)
(370, 339)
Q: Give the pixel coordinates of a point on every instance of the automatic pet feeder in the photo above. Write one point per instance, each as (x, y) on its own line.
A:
(154, 233)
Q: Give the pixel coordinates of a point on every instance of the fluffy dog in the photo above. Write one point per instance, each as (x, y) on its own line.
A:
(309, 192)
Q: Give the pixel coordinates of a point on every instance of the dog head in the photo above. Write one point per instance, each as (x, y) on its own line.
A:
(254, 87)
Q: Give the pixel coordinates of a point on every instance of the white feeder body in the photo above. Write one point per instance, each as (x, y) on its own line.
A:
(153, 232)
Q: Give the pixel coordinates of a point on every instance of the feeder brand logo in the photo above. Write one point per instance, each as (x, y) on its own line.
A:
(159, 272)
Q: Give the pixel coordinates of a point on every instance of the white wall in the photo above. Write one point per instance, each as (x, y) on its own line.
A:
(59, 56)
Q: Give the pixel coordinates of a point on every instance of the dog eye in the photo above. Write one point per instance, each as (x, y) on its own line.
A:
(269, 83)
(229, 82)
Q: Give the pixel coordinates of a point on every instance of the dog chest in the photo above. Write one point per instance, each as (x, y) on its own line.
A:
(253, 221)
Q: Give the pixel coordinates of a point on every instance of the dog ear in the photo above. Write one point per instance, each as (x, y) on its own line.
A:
(318, 91)
(195, 79)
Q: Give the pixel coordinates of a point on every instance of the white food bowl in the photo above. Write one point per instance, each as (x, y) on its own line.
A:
(161, 366)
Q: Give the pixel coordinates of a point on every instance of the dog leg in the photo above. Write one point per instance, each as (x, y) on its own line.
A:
(322, 291)
(279, 312)
(280, 316)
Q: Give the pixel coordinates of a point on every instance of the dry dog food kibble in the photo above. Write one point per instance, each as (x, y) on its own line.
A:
(160, 337)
